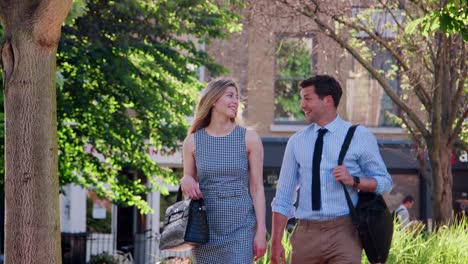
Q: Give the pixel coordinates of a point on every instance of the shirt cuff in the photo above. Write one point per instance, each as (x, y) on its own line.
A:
(286, 210)
(384, 185)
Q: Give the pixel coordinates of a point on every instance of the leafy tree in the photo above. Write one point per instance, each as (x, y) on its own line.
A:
(127, 82)
(431, 67)
(451, 18)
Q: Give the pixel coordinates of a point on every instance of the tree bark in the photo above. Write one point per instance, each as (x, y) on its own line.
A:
(440, 150)
(440, 159)
(32, 222)
(32, 227)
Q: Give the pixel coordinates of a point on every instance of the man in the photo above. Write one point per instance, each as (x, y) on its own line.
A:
(324, 232)
(402, 212)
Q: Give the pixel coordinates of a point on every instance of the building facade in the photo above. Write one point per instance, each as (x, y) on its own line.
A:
(268, 59)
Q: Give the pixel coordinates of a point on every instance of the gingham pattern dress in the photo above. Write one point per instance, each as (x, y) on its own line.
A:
(223, 174)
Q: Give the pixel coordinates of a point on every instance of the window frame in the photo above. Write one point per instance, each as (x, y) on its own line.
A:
(313, 60)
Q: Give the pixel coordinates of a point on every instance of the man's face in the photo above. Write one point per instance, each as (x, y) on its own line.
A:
(409, 205)
(311, 104)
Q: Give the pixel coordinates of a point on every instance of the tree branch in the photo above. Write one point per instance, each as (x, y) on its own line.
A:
(461, 84)
(388, 89)
(425, 11)
(50, 16)
(420, 5)
(427, 65)
(374, 36)
(414, 79)
(436, 117)
(458, 127)
(391, 13)
(327, 30)
(419, 148)
(407, 13)
(409, 127)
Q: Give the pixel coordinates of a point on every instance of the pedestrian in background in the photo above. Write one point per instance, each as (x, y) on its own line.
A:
(402, 214)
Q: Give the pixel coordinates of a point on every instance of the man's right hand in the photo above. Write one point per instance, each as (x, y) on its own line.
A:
(277, 253)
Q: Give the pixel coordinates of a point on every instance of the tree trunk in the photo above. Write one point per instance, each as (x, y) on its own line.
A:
(32, 227)
(32, 222)
(440, 159)
(440, 151)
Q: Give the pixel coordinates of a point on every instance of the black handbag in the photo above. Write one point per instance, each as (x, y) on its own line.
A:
(185, 225)
(371, 216)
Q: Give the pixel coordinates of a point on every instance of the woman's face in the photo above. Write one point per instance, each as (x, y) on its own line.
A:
(228, 103)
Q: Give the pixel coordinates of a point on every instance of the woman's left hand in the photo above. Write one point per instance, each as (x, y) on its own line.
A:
(260, 245)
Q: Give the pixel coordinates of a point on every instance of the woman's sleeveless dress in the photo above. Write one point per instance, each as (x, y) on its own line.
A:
(223, 174)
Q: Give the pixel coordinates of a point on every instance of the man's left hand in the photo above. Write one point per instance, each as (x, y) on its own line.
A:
(342, 175)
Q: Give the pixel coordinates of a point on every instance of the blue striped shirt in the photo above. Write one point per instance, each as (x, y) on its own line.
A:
(363, 159)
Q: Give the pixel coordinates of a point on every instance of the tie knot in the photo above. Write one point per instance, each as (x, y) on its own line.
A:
(322, 132)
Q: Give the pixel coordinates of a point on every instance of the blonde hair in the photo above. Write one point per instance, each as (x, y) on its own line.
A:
(212, 92)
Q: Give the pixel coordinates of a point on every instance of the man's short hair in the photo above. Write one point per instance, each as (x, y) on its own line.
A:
(324, 85)
(408, 198)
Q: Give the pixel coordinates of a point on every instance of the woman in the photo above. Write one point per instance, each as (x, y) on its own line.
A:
(223, 165)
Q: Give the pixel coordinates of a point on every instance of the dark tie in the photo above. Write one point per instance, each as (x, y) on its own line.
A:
(316, 170)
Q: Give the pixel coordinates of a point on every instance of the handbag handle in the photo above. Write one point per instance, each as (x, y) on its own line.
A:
(344, 149)
(179, 194)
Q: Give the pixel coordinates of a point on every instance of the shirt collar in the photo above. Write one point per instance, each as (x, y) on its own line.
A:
(331, 127)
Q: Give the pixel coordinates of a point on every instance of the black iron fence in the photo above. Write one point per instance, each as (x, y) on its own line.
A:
(92, 248)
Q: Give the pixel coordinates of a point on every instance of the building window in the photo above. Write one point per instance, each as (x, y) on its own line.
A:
(368, 104)
(384, 61)
(293, 63)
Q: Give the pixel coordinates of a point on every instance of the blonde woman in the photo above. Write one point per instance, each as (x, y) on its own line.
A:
(223, 164)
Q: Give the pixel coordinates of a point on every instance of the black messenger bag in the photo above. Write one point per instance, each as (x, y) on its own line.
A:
(371, 216)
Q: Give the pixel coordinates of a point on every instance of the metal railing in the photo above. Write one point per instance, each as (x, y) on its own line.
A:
(83, 248)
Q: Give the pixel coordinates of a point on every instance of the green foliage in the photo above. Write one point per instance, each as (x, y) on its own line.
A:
(464, 136)
(77, 10)
(414, 246)
(129, 81)
(293, 58)
(293, 63)
(287, 250)
(104, 258)
(445, 245)
(450, 19)
(126, 81)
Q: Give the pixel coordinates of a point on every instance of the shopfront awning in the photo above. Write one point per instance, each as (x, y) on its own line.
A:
(395, 156)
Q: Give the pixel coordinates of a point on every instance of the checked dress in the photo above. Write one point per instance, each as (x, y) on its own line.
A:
(223, 175)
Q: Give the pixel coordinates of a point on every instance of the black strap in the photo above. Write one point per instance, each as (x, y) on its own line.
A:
(179, 194)
(399, 210)
(347, 141)
(344, 149)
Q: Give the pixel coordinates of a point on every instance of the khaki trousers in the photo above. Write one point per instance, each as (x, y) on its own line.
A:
(332, 241)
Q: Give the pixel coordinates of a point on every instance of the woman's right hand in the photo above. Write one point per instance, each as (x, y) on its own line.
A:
(190, 188)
